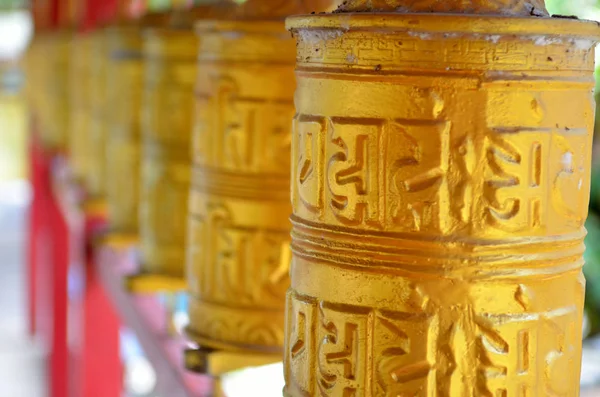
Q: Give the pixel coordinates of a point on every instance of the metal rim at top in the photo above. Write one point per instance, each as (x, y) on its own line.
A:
(166, 32)
(447, 23)
(211, 26)
(168, 43)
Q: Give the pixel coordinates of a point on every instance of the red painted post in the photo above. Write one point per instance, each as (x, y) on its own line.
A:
(101, 360)
(48, 270)
(103, 370)
(59, 350)
(35, 230)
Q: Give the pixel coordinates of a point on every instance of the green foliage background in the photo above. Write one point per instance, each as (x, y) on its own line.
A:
(12, 4)
(560, 6)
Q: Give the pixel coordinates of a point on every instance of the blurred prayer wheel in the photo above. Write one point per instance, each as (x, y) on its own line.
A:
(238, 255)
(53, 107)
(79, 97)
(31, 63)
(440, 183)
(124, 73)
(167, 103)
(124, 86)
(98, 111)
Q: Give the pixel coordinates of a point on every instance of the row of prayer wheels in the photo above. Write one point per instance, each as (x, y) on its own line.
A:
(440, 165)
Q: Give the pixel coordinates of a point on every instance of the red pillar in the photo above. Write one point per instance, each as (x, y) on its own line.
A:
(102, 366)
(59, 350)
(35, 231)
(103, 372)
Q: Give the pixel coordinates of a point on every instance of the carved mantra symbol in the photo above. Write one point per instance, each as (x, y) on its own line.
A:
(217, 218)
(512, 194)
(300, 346)
(421, 173)
(468, 164)
(241, 132)
(306, 158)
(353, 173)
(346, 356)
(308, 179)
(508, 365)
(397, 362)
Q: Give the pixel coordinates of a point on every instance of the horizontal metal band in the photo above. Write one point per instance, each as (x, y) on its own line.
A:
(233, 328)
(443, 255)
(233, 184)
(124, 55)
(176, 153)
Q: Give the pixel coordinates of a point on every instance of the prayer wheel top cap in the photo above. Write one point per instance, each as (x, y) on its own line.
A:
(239, 26)
(277, 10)
(431, 23)
(180, 44)
(481, 7)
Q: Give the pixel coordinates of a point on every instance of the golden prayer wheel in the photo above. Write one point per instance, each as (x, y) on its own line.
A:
(167, 103)
(79, 98)
(440, 183)
(98, 111)
(53, 109)
(124, 74)
(36, 75)
(238, 255)
(33, 70)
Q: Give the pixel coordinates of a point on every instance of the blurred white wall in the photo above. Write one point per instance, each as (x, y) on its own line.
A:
(16, 30)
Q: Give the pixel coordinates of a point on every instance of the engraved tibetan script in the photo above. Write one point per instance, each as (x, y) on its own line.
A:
(343, 350)
(231, 261)
(427, 176)
(372, 172)
(248, 134)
